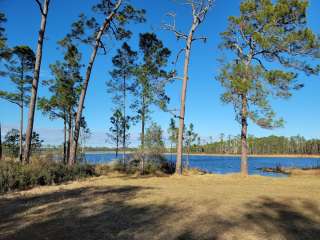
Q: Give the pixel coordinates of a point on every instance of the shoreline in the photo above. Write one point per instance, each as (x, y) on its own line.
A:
(255, 155)
(227, 155)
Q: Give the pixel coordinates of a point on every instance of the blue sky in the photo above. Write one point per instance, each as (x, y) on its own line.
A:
(204, 108)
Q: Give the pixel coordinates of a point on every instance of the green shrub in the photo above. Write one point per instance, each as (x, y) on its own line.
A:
(16, 176)
(153, 163)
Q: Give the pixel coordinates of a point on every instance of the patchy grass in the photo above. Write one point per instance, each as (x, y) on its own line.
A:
(176, 207)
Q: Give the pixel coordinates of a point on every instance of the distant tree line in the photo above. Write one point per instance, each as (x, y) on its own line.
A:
(261, 145)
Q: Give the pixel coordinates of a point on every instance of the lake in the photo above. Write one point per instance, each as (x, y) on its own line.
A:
(225, 164)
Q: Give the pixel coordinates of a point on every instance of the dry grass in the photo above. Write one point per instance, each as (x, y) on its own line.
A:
(187, 207)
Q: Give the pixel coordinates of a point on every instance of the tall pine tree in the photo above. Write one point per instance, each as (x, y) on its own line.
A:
(151, 78)
(121, 85)
(19, 69)
(265, 32)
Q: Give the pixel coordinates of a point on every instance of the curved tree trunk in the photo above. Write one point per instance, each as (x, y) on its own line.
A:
(35, 82)
(103, 28)
(244, 144)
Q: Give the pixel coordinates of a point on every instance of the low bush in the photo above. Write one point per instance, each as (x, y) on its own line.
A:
(153, 163)
(17, 176)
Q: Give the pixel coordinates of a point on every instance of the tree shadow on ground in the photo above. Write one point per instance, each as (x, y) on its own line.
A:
(114, 213)
(263, 219)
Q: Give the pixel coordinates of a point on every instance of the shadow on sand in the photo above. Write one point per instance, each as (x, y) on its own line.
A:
(110, 213)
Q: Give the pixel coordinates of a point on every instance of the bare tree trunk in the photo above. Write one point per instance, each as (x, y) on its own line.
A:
(244, 145)
(21, 133)
(142, 137)
(21, 112)
(35, 82)
(124, 122)
(106, 24)
(117, 144)
(183, 100)
(64, 140)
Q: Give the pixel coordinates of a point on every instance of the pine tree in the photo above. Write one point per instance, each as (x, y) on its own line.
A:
(89, 30)
(19, 69)
(199, 10)
(189, 138)
(116, 133)
(65, 89)
(4, 53)
(173, 134)
(265, 32)
(35, 82)
(121, 85)
(151, 79)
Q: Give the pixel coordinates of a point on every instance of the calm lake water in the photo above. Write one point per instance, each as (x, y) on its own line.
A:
(224, 164)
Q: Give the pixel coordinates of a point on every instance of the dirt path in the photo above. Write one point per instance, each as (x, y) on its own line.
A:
(194, 207)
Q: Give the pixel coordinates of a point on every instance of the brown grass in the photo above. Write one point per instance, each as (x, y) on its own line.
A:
(176, 207)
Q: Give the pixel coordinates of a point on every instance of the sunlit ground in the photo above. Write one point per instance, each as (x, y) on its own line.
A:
(188, 207)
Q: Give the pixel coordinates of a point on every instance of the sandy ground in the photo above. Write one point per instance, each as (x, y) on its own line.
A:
(187, 207)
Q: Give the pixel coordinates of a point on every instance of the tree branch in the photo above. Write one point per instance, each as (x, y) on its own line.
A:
(172, 27)
(40, 7)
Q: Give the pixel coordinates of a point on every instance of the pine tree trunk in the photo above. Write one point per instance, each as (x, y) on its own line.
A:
(0, 144)
(106, 24)
(124, 122)
(21, 133)
(35, 82)
(183, 101)
(70, 162)
(117, 144)
(64, 140)
(244, 145)
(142, 137)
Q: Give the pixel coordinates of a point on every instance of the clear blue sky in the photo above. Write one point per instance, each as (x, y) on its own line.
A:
(204, 108)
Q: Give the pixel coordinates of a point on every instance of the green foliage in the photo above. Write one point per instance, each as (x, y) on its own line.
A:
(154, 139)
(65, 86)
(154, 161)
(86, 28)
(11, 142)
(190, 136)
(121, 84)
(173, 131)
(266, 31)
(124, 65)
(262, 145)
(16, 176)
(3, 39)
(19, 69)
(116, 131)
(151, 76)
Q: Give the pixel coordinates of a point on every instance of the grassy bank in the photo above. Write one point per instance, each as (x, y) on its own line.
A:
(187, 207)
